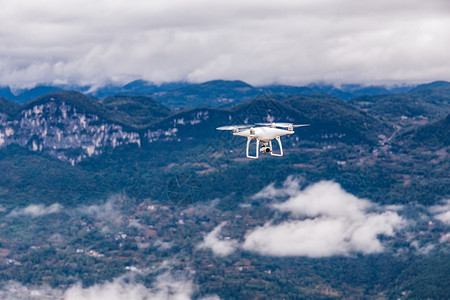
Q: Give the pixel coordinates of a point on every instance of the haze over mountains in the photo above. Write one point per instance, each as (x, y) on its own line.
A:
(216, 93)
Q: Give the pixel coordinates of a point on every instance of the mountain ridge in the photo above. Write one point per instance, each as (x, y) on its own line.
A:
(177, 93)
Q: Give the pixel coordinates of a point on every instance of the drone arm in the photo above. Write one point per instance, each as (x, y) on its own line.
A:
(281, 147)
(249, 139)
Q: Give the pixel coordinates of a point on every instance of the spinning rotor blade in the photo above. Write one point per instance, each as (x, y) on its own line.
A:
(232, 127)
(282, 124)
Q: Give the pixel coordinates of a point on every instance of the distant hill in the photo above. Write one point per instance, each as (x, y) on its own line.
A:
(35, 92)
(358, 90)
(136, 88)
(330, 90)
(336, 119)
(217, 93)
(136, 110)
(431, 85)
(430, 102)
(434, 135)
(437, 95)
(132, 112)
(5, 92)
(7, 107)
(80, 101)
(287, 90)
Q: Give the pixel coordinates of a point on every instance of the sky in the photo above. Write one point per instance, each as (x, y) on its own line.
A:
(261, 42)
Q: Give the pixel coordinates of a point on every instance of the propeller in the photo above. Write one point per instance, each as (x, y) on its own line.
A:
(282, 124)
(233, 127)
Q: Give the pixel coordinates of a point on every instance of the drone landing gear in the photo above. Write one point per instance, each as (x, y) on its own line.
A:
(281, 147)
(249, 139)
(264, 148)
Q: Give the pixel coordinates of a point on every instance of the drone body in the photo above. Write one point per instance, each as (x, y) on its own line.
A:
(263, 134)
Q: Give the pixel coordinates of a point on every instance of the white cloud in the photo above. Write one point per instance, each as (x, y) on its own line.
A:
(12, 290)
(442, 212)
(293, 42)
(105, 211)
(125, 287)
(36, 210)
(218, 246)
(422, 250)
(333, 222)
(211, 297)
(445, 238)
(291, 187)
(122, 288)
(324, 198)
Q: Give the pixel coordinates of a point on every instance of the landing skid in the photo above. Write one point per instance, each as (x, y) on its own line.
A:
(249, 139)
(281, 147)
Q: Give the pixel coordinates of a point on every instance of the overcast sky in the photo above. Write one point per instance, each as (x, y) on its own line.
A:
(258, 41)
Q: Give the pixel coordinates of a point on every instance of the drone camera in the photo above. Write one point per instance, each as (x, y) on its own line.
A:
(265, 149)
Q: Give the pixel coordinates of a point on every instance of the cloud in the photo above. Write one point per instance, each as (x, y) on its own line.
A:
(292, 42)
(165, 287)
(442, 212)
(36, 210)
(424, 249)
(125, 288)
(106, 211)
(291, 187)
(12, 290)
(323, 198)
(445, 238)
(325, 221)
(218, 246)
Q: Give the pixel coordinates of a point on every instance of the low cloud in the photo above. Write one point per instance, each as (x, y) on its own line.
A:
(36, 210)
(442, 212)
(105, 212)
(124, 287)
(324, 221)
(291, 187)
(218, 246)
(12, 290)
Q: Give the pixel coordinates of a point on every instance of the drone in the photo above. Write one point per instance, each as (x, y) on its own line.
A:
(264, 133)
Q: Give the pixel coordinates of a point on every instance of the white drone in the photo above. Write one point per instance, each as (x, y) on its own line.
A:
(265, 133)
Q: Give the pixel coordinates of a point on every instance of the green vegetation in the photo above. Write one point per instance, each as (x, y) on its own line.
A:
(138, 111)
(123, 208)
(7, 107)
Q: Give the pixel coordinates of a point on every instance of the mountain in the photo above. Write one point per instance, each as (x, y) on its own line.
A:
(434, 93)
(330, 90)
(93, 192)
(35, 92)
(141, 87)
(335, 119)
(431, 85)
(5, 92)
(435, 135)
(138, 111)
(67, 125)
(432, 103)
(359, 90)
(7, 107)
(217, 93)
(287, 90)
(136, 88)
